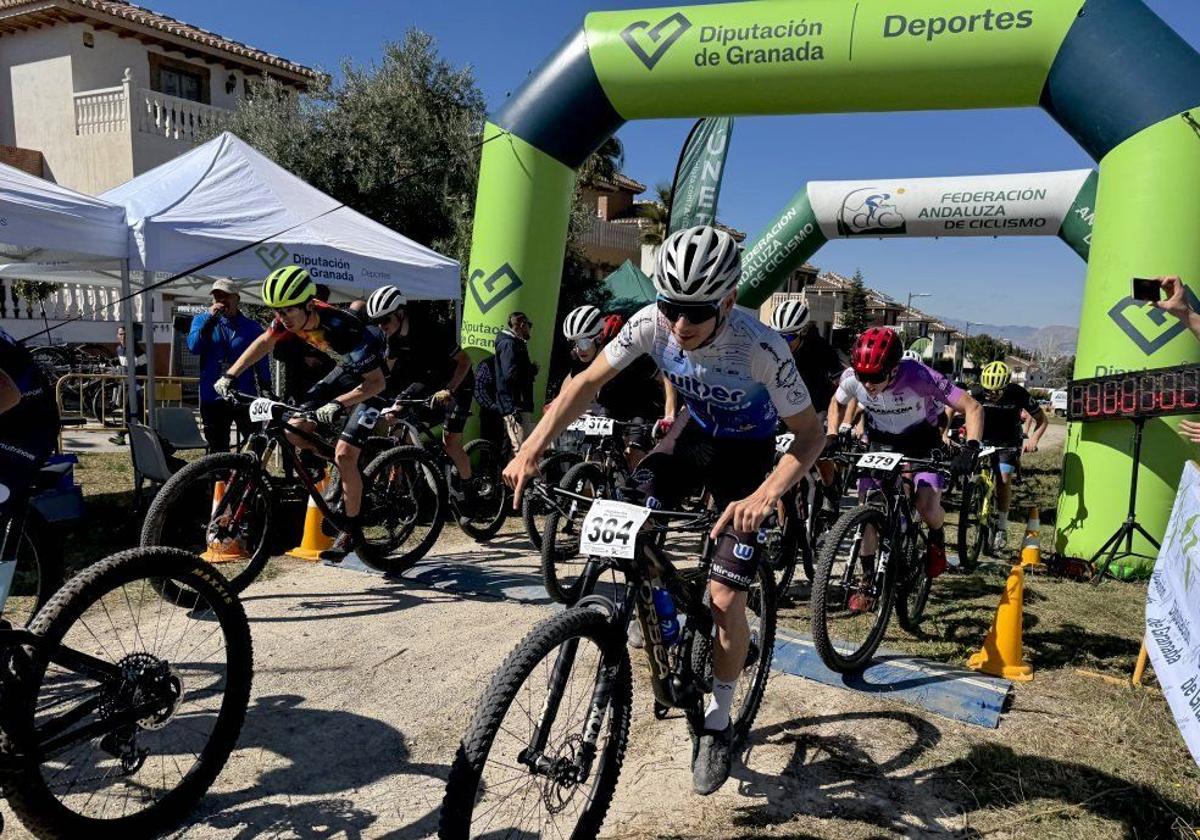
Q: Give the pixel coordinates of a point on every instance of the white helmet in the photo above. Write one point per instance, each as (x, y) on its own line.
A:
(911, 355)
(697, 265)
(384, 301)
(789, 316)
(582, 322)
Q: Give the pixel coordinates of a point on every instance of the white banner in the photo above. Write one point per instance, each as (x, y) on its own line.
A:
(1173, 611)
(1033, 204)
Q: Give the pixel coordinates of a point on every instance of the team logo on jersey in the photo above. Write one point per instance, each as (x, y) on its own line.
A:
(650, 43)
(703, 391)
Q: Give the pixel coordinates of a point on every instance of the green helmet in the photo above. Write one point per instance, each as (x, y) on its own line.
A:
(287, 286)
(995, 376)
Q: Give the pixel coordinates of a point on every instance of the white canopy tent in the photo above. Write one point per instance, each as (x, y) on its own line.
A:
(47, 225)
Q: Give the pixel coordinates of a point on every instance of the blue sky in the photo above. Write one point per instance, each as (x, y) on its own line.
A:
(1027, 281)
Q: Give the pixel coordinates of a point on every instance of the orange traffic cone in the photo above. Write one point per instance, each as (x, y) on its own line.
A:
(314, 540)
(1031, 548)
(227, 550)
(1002, 654)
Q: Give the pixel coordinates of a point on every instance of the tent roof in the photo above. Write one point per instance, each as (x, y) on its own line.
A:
(225, 195)
(629, 289)
(43, 221)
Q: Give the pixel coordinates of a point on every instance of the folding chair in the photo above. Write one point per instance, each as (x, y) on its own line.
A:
(149, 461)
(177, 426)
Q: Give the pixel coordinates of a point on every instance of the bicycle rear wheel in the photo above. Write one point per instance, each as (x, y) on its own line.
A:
(491, 791)
(129, 754)
(851, 602)
(973, 529)
(218, 507)
(403, 509)
(912, 591)
(38, 574)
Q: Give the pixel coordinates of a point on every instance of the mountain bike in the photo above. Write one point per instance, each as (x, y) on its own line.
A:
(36, 568)
(544, 750)
(118, 708)
(851, 600)
(979, 516)
(480, 506)
(221, 505)
(572, 447)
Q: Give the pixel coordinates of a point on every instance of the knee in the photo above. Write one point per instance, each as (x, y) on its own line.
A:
(724, 601)
(346, 457)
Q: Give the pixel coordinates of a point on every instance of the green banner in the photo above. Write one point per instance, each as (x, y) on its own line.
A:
(826, 56)
(697, 185)
(1077, 226)
(783, 247)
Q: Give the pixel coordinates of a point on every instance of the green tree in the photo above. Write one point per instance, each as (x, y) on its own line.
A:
(397, 141)
(983, 348)
(658, 213)
(855, 317)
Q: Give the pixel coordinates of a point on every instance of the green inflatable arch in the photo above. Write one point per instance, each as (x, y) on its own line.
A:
(1110, 72)
(1061, 204)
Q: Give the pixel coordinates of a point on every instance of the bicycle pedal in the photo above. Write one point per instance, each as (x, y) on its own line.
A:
(662, 712)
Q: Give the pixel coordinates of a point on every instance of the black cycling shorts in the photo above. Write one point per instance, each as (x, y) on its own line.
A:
(454, 419)
(689, 459)
(20, 460)
(360, 425)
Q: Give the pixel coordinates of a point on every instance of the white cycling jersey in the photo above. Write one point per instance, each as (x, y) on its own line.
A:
(738, 386)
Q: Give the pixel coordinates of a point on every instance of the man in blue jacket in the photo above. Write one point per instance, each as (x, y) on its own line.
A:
(218, 337)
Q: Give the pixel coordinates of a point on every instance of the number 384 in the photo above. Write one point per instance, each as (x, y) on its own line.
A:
(610, 530)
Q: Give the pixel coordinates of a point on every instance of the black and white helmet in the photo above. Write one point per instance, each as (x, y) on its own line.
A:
(697, 265)
(384, 301)
(911, 355)
(582, 322)
(789, 316)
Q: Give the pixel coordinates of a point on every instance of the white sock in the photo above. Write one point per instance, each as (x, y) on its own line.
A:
(716, 716)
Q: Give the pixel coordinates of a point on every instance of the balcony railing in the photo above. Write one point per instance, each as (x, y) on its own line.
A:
(125, 107)
(613, 236)
(69, 300)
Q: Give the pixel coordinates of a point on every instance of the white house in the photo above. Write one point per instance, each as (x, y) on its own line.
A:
(94, 92)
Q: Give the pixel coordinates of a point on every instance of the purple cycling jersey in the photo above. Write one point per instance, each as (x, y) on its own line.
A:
(916, 396)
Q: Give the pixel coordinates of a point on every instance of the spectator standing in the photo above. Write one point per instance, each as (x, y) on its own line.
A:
(514, 378)
(139, 369)
(218, 337)
(1176, 303)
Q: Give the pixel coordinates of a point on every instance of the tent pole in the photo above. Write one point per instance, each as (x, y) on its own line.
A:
(130, 343)
(148, 321)
(458, 317)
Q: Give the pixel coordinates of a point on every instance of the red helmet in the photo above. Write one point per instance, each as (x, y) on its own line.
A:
(876, 354)
(612, 326)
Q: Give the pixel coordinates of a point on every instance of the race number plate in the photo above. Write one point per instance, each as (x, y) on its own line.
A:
(784, 442)
(260, 410)
(592, 426)
(886, 461)
(610, 529)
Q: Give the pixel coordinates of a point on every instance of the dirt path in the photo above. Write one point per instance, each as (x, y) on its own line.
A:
(363, 688)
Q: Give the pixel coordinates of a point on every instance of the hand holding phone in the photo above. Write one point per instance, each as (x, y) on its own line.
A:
(1147, 288)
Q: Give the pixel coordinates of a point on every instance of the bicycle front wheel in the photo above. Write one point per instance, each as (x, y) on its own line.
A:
(972, 524)
(534, 508)
(501, 784)
(852, 597)
(129, 753)
(218, 507)
(562, 565)
(482, 513)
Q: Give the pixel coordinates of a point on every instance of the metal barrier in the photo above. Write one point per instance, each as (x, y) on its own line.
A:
(98, 399)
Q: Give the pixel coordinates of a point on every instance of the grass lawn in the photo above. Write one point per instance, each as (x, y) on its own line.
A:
(1075, 756)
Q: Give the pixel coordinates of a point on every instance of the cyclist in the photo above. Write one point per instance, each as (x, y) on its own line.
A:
(815, 358)
(340, 334)
(1003, 401)
(903, 401)
(737, 378)
(423, 359)
(28, 425)
(634, 395)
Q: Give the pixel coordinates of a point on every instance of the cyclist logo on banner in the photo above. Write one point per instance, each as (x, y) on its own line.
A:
(871, 211)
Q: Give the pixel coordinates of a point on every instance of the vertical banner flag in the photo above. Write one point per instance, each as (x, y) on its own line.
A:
(698, 176)
(1173, 610)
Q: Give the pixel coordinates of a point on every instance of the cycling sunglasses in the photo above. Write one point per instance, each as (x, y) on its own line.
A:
(790, 337)
(874, 378)
(693, 313)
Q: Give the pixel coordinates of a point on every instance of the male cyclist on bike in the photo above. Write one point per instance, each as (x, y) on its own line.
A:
(634, 395)
(815, 358)
(738, 379)
(28, 425)
(423, 360)
(299, 316)
(903, 401)
(1003, 401)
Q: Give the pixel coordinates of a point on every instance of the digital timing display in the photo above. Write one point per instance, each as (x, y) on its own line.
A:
(1125, 396)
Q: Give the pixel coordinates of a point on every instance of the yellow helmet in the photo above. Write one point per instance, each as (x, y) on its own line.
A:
(995, 376)
(287, 286)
